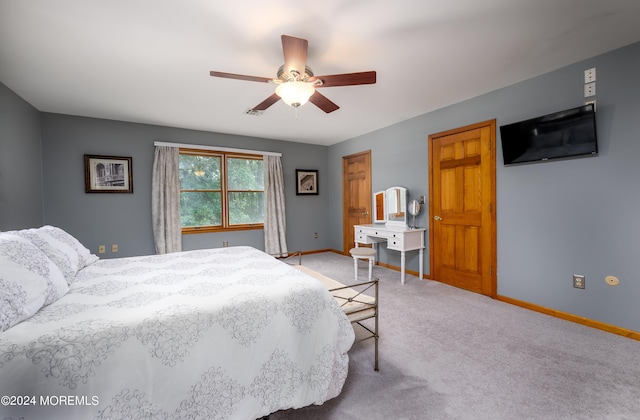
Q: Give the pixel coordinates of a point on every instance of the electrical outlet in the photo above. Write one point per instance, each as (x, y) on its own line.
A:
(315, 235)
(578, 281)
(590, 75)
(225, 244)
(102, 249)
(590, 89)
(114, 248)
(591, 102)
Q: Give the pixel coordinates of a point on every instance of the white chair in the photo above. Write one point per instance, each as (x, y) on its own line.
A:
(365, 254)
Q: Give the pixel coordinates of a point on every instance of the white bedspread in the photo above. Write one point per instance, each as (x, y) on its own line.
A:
(229, 333)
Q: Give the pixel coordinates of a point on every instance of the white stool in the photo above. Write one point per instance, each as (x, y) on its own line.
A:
(365, 254)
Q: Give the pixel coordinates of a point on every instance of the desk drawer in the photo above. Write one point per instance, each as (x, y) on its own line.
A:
(370, 235)
(361, 238)
(378, 234)
(396, 243)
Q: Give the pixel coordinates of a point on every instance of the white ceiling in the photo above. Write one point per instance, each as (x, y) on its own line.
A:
(148, 61)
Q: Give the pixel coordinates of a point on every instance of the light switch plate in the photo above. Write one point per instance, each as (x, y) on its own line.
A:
(590, 75)
(590, 89)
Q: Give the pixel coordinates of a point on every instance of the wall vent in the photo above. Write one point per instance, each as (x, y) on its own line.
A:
(250, 111)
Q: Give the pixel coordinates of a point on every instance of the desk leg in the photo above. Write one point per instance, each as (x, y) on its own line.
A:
(421, 262)
(402, 258)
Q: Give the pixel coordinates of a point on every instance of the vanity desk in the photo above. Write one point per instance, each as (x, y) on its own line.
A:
(390, 217)
(398, 238)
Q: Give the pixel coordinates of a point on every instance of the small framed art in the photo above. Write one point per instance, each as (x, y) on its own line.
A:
(107, 174)
(306, 182)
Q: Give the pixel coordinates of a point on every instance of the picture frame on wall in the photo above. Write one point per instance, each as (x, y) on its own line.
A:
(107, 174)
(306, 182)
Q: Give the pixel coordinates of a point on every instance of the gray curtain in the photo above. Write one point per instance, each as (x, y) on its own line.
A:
(275, 229)
(165, 200)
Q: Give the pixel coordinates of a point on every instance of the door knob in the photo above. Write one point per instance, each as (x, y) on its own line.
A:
(437, 218)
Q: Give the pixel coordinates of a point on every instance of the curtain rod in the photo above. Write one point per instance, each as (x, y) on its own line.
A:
(221, 149)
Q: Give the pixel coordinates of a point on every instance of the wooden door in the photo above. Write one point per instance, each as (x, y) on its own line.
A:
(462, 211)
(356, 194)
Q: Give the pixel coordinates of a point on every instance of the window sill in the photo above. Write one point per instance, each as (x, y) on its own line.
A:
(212, 229)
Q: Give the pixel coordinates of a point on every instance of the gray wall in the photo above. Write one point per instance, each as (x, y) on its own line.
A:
(554, 219)
(125, 219)
(20, 163)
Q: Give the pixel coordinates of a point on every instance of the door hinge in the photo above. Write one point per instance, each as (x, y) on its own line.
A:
(490, 207)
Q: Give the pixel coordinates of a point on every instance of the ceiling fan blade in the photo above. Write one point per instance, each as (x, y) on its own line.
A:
(323, 102)
(266, 103)
(240, 77)
(295, 54)
(346, 79)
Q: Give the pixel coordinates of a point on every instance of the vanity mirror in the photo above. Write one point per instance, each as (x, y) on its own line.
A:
(379, 207)
(414, 210)
(396, 201)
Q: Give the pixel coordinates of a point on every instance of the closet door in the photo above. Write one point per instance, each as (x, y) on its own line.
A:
(356, 195)
(462, 196)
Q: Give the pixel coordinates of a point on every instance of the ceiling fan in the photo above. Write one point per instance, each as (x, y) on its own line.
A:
(296, 82)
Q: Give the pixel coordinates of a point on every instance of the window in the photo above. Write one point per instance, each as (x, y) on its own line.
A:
(220, 191)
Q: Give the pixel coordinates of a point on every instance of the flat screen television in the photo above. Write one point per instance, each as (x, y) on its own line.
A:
(563, 134)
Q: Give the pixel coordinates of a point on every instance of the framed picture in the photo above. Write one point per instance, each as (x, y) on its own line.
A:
(306, 182)
(107, 174)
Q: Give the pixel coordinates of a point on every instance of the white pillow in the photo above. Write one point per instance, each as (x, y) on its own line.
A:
(61, 248)
(28, 280)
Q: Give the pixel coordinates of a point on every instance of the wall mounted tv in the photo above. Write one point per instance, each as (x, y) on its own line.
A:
(558, 135)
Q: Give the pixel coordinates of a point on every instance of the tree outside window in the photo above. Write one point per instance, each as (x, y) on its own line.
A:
(220, 191)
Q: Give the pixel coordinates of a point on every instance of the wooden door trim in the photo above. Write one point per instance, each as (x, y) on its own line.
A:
(493, 289)
(345, 217)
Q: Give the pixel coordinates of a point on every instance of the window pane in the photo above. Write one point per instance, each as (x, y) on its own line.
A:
(246, 207)
(200, 209)
(199, 172)
(245, 174)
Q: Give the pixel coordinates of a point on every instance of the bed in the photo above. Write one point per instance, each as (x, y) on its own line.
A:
(229, 333)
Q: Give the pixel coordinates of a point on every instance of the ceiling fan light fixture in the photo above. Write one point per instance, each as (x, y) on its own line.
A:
(295, 93)
(296, 87)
